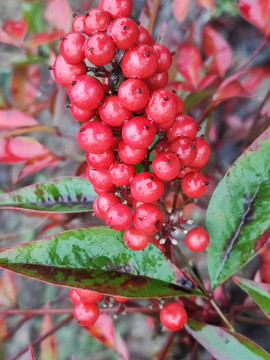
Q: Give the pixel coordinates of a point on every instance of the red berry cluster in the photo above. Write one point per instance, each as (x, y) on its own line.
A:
(129, 117)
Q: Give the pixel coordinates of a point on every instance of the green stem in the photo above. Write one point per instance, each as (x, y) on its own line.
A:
(220, 313)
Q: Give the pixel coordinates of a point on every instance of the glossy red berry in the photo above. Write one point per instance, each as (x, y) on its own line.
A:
(64, 72)
(163, 145)
(184, 126)
(81, 115)
(197, 239)
(133, 94)
(120, 173)
(129, 154)
(104, 201)
(96, 20)
(181, 105)
(173, 316)
(184, 171)
(97, 212)
(140, 61)
(135, 239)
(164, 57)
(162, 106)
(185, 149)
(166, 125)
(89, 296)
(194, 184)
(71, 47)
(99, 178)
(124, 32)
(144, 37)
(146, 187)
(100, 161)
(99, 191)
(117, 8)
(86, 92)
(74, 296)
(148, 218)
(78, 23)
(166, 166)
(112, 112)
(99, 49)
(158, 81)
(86, 314)
(119, 217)
(138, 132)
(136, 204)
(203, 153)
(95, 137)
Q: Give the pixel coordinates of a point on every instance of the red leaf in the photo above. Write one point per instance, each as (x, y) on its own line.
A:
(180, 86)
(56, 7)
(103, 331)
(25, 84)
(36, 164)
(231, 90)
(12, 119)
(208, 4)
(48, 347)
(254, 78)
(207, 80)
(3, 328)
(30, 353)
(148, 14)
(8, 290)
(189, 63)
(43, 38)
(215, 45)
(15, 29)
(257, 12)
(180, 9)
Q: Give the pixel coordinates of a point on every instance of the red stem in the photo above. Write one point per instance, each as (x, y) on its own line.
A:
(165, 348)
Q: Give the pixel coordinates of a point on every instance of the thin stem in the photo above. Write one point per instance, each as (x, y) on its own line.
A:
(255, 53)
(165, 348)
(220, 313)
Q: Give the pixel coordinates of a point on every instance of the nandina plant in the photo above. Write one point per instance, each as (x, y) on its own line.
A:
(147, 168)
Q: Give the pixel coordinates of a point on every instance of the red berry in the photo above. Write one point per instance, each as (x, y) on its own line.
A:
(86, 314)
(74, 296)
(86, 92)
(146, 187)
(104, 201)
(117, 8)
(64, 72)
(164, 126)
(135, 239)
(140, 61)
(100, 161)
(78, 23)
(136, 204)
(184, 171)
(184, 126)
(162, 106)
(99, 178)
(89, 296)
(120, 173)
(81, 115)
(99, 191)
(96, 20)
(166, 166)
(133, 94)
(185, 149)
(138, 132)
(116, 141)
(124, 32)
(203, 153)
(119, 217)
(99, 49)
(194, 184)
(158, 81)
(163, 145)
(197, 239)
(144, 37)
(181, 105)
(95, 137)
(97, 212)
(112, 112)
(71, 47)
(130, 155)
(164, 57)
(148, 218)
(173, 316)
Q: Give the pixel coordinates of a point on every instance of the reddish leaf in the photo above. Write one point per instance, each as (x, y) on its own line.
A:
(180, 9)
(48, 347)
(12, 119)
(148, 14)
(257, 12)
(103, 331)
(180, 86)
(208, 4)
(189, 63)
(56, 7)
(254, 78)
(81, 171)
(8, 290)
(207, 80)
(3, 328)
(25, 84)
(15, 29)
(30, 353)
(5, 38)
(216, 46)
(43, 38)
(36, 164)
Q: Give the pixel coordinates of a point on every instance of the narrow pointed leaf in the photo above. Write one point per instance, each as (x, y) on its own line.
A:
(189, 63)
(96, 258)
(30, 353)
(11, 119)
(257, 12)
(259, 292)
(148, 15)
(56, 7)
(62, 194)
(48, 347)
(3, 328)
(8, 290)
(180, 9)
(238, 215)
(224, 344)
(43, 38)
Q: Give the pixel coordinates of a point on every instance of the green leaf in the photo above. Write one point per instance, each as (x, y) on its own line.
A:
(238, 215)
(195, 98)
(62, 194)
(33, 13)
(96, 258)
(259, 292)
(224, 344)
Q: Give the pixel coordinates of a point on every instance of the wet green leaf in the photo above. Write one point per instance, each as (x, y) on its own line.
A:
(224, 344)
(259, 292)
(62, 194)
(96, 258)
(238, 215)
